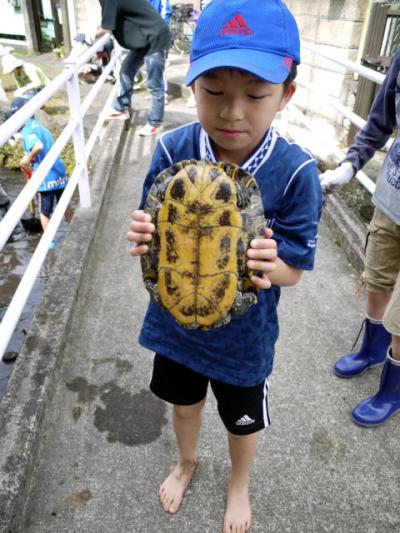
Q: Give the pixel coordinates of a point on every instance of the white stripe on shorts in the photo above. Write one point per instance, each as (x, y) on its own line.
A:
(267, 420)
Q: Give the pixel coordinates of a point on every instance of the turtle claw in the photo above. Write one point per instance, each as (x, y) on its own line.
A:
(161, 191)
(242, 195)
(153, 289)
(223, 321)
(243, 301)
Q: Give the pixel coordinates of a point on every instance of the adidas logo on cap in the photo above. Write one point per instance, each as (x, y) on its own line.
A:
(237, 26)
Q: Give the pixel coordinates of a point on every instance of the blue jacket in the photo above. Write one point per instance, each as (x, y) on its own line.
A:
(32, 133)
(383, 120)
(242, 352)
(163, 7)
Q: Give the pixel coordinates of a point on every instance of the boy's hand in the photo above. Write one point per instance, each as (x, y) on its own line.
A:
(141, 230)
(25, 162)
(262, 256)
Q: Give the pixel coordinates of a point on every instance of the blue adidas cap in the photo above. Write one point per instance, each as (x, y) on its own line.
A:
(258, 36)
(16, 105)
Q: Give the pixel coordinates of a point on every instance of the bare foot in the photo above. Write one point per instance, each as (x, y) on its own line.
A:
(237, 517)
(173, 489)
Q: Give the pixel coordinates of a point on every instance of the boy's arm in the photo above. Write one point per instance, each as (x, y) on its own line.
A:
(285, 275)
(296, 225)
(30, 156)
(100, 32)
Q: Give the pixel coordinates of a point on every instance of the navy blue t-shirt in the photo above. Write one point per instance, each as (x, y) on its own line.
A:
(242, 352)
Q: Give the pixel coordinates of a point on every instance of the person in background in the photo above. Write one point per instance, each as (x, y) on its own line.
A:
(29, 78)
(138, 27)
(37, 142)
(381, 340)
(155, 66)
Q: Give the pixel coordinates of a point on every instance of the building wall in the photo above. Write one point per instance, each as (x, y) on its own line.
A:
(88, 12)
(87, 15)
(337, 27)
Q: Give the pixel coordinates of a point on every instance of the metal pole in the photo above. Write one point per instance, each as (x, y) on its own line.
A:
(78, 137)
(65, 26)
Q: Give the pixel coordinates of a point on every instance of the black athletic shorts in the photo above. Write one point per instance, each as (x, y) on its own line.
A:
(243, 410)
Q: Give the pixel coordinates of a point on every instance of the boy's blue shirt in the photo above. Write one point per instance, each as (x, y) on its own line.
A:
(242, 352)
(32, 133)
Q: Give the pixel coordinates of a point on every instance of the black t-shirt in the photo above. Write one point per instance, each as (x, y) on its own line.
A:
(135, 24)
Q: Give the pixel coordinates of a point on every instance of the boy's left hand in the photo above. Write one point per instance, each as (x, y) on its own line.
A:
(25, 162)
(262, 256)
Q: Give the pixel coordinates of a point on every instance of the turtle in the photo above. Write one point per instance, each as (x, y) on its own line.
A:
(205, 216)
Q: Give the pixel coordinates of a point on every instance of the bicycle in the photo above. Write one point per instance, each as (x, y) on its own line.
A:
(182, 25)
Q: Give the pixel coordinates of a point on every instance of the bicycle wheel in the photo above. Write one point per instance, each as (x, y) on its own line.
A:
(183, 37)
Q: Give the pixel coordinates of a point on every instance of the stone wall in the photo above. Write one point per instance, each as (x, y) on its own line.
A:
(87, 15)
(337, 27)
(88, 12)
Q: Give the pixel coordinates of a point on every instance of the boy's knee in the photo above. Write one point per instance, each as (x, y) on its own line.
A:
(189, 411)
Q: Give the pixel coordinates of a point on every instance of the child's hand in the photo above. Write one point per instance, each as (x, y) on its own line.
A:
(262, 257)
(25, 162)
(141, 230)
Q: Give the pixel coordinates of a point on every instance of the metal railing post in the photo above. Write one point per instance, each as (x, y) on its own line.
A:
(78, 137)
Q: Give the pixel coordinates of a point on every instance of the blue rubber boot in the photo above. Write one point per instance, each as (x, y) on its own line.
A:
(385, 403)
(374, 347)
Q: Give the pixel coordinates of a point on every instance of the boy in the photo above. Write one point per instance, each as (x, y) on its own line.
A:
(243, 63)
(381, 342)
(37, 142)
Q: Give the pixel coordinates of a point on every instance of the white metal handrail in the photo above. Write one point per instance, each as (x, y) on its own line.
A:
(365, 72)
(79, 176)
(355, 119)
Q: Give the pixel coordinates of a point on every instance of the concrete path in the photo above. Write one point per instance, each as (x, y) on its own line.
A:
(108, 442)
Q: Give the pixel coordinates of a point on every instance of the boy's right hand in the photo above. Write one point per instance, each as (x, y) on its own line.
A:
(141, 230)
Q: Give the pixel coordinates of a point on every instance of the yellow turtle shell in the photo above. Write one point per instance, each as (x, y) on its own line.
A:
(205, 216)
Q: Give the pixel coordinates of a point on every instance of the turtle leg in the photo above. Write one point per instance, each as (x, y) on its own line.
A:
(242, 302)
(153, 289)
(221, 322)
(243, 196)
(161, 190)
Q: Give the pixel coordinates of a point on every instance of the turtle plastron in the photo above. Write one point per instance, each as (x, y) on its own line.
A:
(205, 217)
